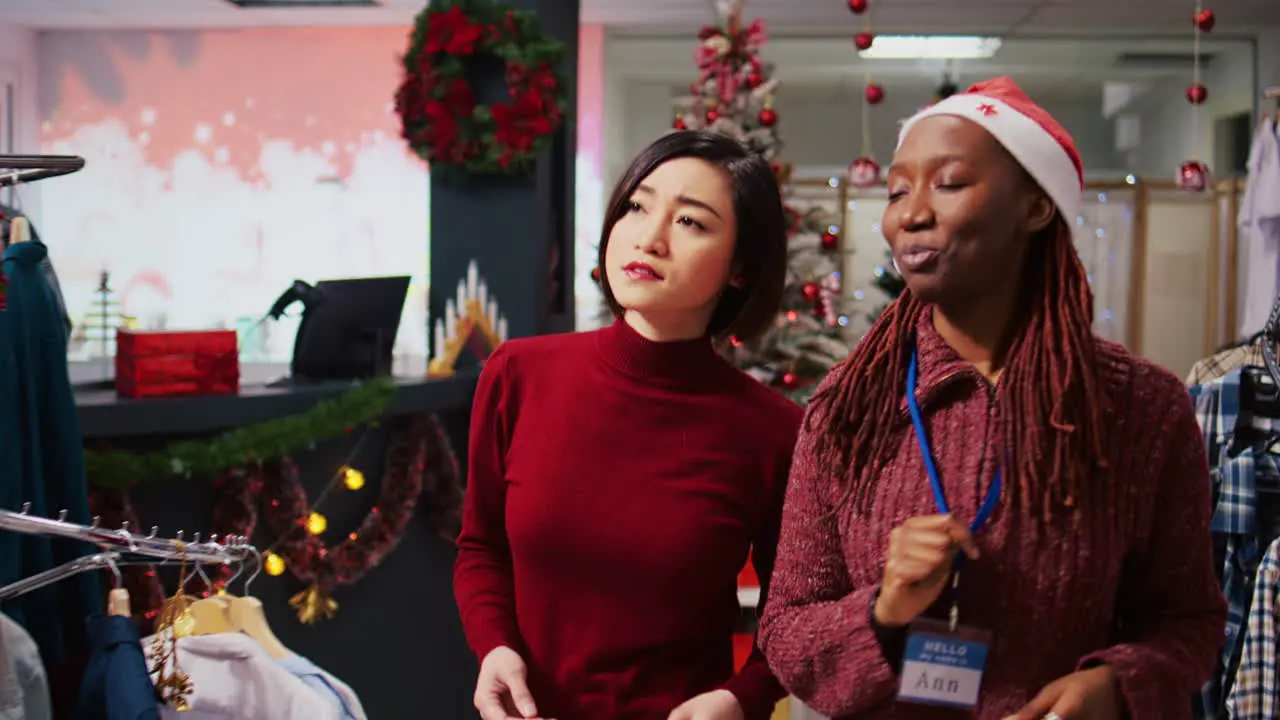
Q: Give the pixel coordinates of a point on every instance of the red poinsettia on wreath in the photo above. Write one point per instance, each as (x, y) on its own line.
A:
(441, 120)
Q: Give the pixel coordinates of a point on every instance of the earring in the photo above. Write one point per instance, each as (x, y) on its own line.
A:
(896, 269)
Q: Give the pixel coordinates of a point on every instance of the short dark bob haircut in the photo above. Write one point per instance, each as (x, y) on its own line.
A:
(760, 253)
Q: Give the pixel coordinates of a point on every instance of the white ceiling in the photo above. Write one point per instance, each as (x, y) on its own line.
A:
(677, 17)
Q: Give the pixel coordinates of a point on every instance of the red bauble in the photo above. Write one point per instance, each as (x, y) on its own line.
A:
(864, 172)
(595, 274)
(679, 123)
(857, 7)
(820, 308)
(1197, 93)
(863, 40)
(755, 79)
(768, 118)
(1204, 20)
(1193, 176)
(712, 116)
(811, 291)
(874, 94)
(830, 241)
(789, 380)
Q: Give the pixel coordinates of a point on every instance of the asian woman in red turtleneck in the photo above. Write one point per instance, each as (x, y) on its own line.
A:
(618, 478)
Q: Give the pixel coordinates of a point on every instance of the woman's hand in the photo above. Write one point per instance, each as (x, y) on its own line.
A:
(502, 692)
(1092, 694)
(917, 566)
(715, 705)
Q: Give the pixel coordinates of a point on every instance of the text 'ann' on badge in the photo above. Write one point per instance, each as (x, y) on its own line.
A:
(942, 667)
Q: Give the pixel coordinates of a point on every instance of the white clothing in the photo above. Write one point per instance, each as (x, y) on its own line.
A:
(233, 678)
(1259, 220)
(24, 689)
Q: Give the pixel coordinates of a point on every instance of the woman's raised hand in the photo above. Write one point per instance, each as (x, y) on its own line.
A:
(918, 565)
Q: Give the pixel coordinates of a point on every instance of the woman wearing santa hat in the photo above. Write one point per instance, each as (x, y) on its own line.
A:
(992, 512)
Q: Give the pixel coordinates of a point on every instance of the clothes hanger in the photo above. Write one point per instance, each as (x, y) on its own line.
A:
(248, 617)
(210, 617)
(118, 598)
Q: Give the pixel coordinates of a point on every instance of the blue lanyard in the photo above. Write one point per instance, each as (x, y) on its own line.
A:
(939, 494)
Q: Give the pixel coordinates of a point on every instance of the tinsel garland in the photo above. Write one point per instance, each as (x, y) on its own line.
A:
(262, 442)
(417, 453)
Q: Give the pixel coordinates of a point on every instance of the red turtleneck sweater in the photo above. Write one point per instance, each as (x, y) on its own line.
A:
(614, 488)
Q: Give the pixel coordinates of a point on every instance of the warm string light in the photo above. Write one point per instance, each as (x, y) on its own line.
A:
(316, 523)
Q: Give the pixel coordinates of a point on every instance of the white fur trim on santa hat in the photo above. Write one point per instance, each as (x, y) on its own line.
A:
(1025, 139)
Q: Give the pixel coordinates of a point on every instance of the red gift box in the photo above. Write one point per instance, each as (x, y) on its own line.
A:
(158, 363)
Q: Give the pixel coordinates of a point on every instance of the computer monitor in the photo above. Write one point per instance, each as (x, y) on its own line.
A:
(348, 329)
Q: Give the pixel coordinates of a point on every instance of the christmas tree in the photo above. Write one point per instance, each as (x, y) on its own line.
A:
(734, 95)
(888, 281)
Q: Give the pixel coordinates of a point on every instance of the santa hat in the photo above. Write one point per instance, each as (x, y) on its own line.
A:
(1030, 134)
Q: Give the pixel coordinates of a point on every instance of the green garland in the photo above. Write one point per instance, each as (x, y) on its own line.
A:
(268, 440)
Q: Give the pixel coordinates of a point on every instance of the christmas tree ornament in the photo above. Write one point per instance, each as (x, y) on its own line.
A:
(830, 241)
(864, 172)
(273, 564)
(811, 291)
(1193, 176)
(317, 523)
(857, 7)
(595, 275)
(874, 93)
(712, 116)
(679, 123)
(755, 79)
(789, 380)
(768, 117)
(863, 40)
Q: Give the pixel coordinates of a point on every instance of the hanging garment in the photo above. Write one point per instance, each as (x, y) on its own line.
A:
(1259, 221)
(1256, 692)
(41, 458)
(117, 684)
(1221, 363)
(1245, 477)
(337, 693)
(233, 678)
(24, 689)
(46, 265)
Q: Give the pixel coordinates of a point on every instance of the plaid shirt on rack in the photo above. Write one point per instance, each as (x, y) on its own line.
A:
(1256, 692)
(1239, 470)
(1216, 366)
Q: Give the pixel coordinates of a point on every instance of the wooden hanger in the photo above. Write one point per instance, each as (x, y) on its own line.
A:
(248, 617)
(118, 598)
(19, 231)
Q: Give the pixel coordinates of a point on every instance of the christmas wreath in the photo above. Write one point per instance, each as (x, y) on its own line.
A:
(441, 120)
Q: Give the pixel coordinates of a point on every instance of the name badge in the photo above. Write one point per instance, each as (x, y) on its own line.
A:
(942, 666)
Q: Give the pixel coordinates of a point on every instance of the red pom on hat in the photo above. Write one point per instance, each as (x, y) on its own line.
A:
(1034, 138)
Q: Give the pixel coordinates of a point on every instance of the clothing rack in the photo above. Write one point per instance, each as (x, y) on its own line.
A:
(119, 547)
(19, 169)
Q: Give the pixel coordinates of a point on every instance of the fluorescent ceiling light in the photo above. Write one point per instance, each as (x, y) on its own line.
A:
(255, 4)
(925, 47)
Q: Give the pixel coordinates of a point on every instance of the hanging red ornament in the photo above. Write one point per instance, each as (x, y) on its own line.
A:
(874, 93)
(789, 380)
(820, 308)
(595, 275)
(864, 172)
(679, 123)
(755, 79)
(1197, 93)
(1204, 20)
(712, 116)
(857, 7)
(811, 291)
(863, 40)
(830, 241)
(1193, 176)
(768, 117)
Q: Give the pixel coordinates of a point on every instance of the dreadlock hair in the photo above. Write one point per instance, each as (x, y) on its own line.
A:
(1050, 412)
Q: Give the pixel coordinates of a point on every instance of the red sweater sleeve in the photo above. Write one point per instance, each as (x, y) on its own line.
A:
(483, 584)
(755, 686)
(816, 630)
(1170, 602)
